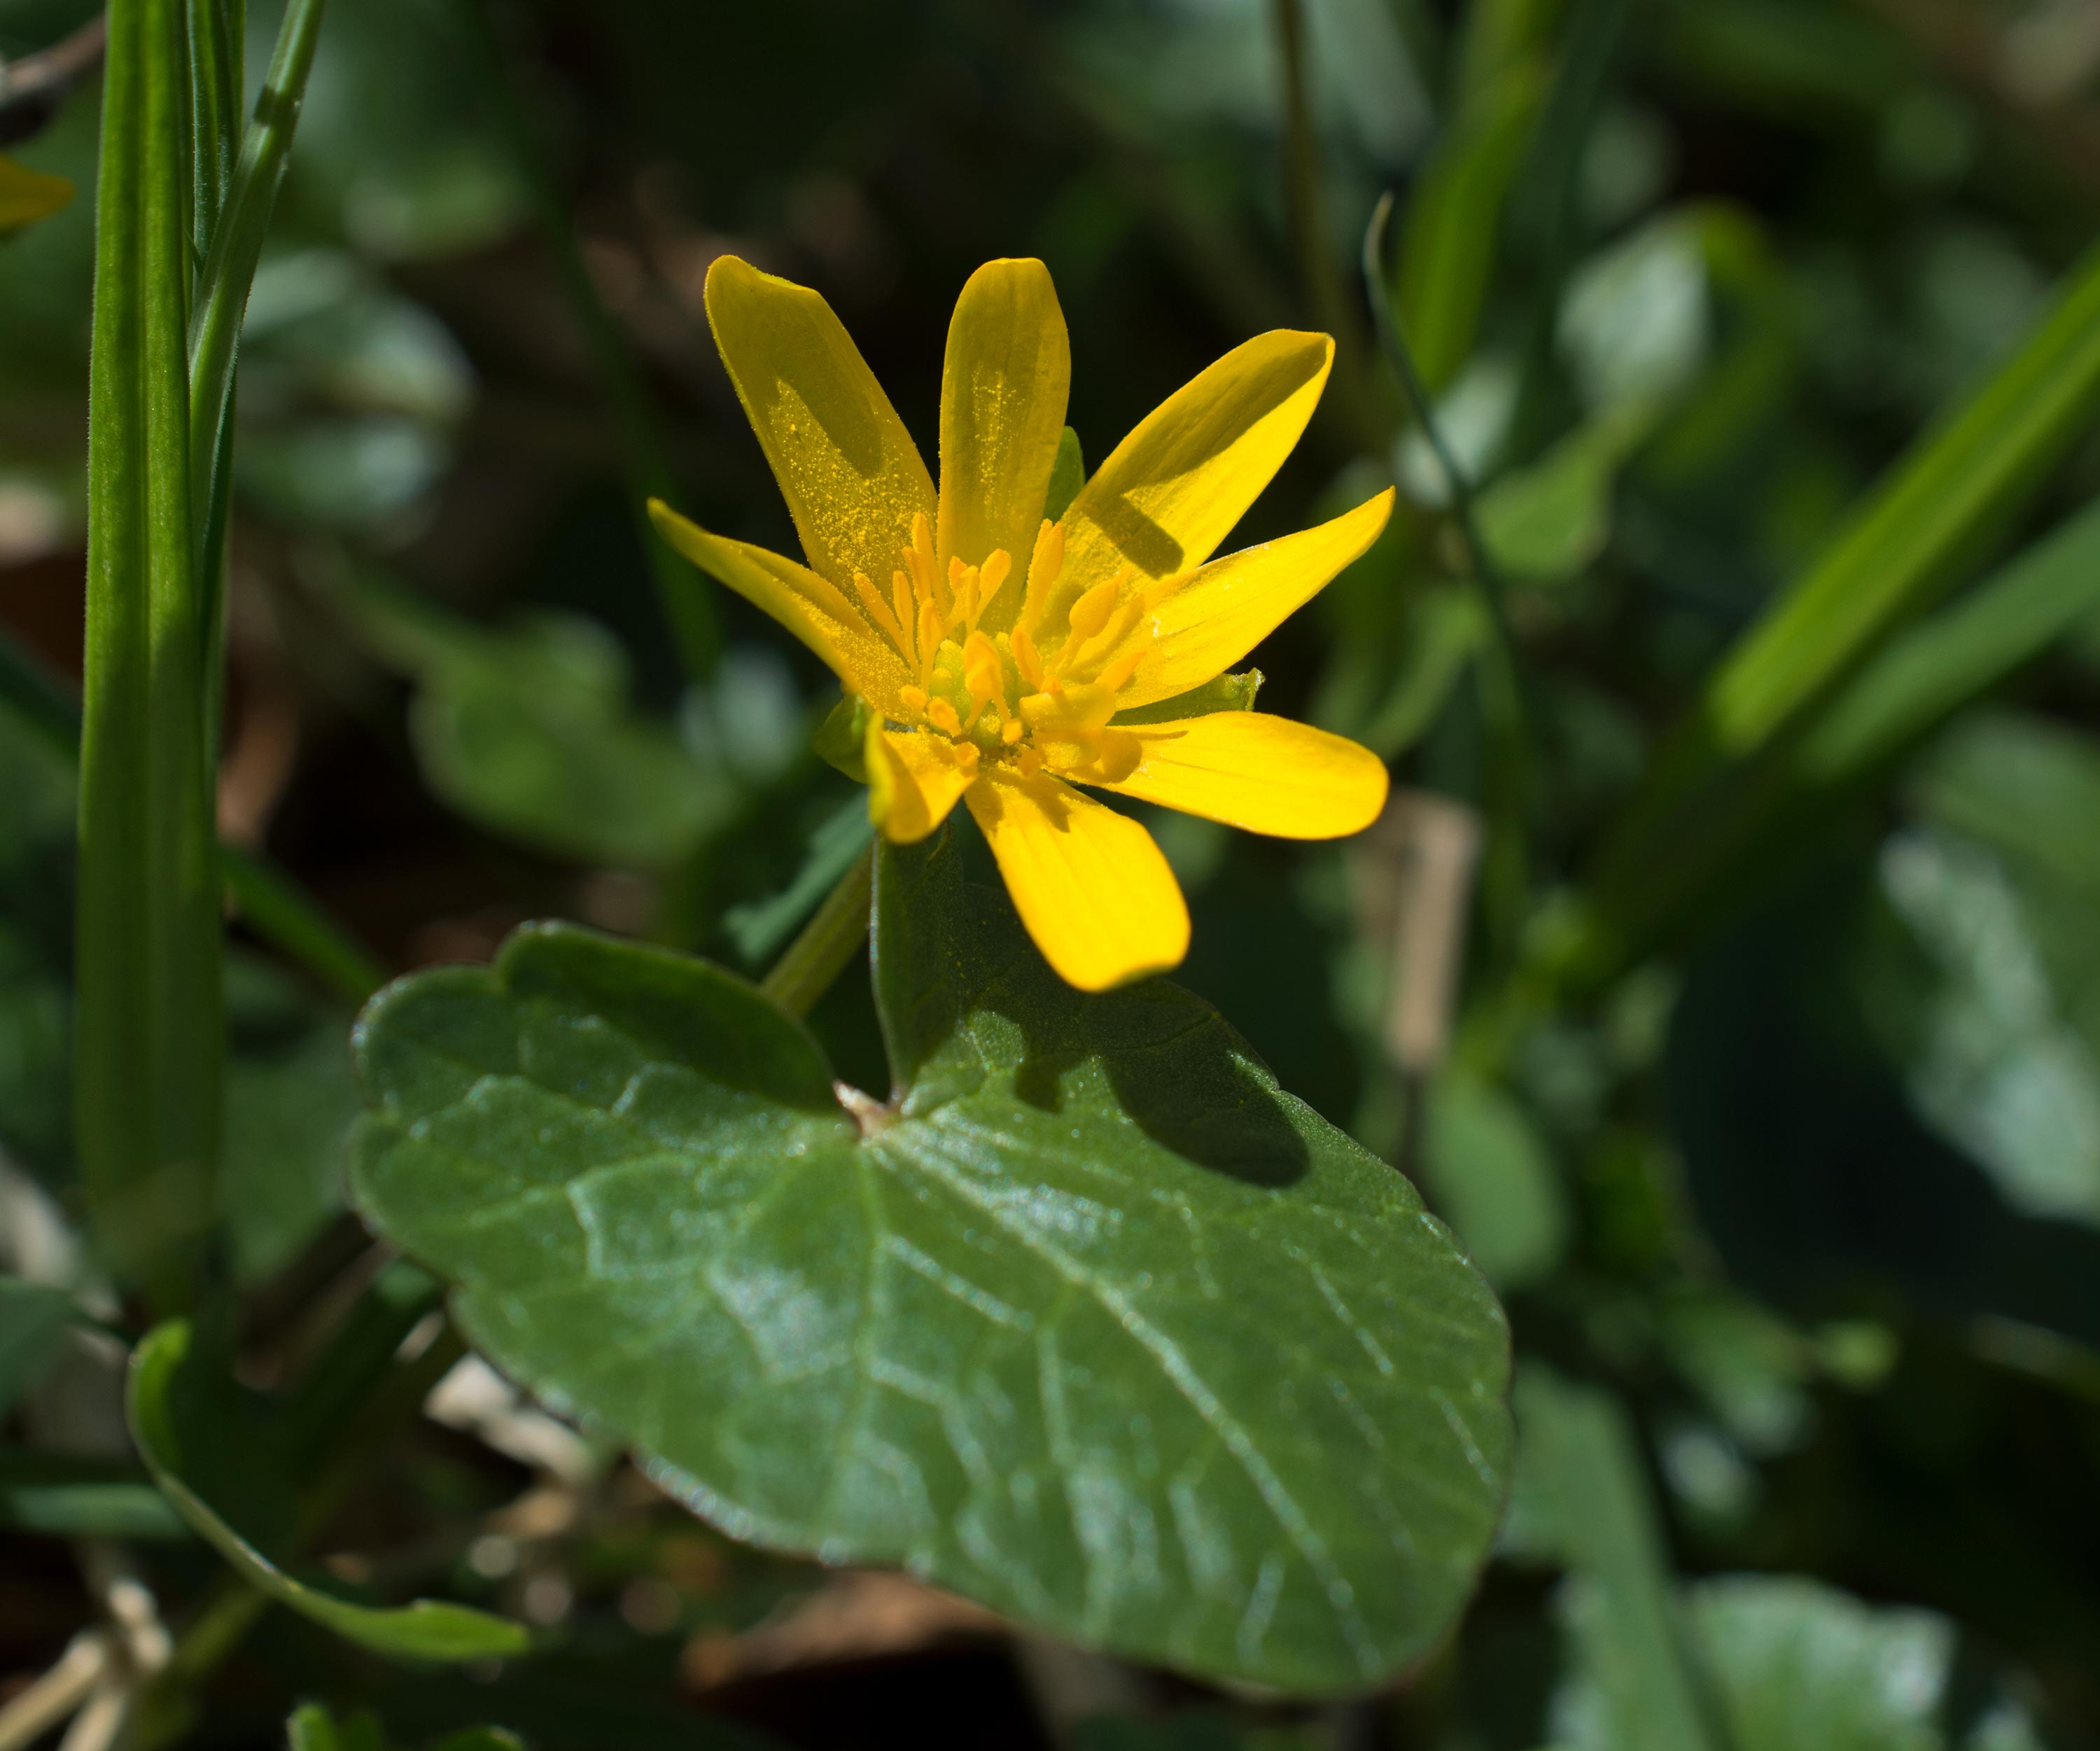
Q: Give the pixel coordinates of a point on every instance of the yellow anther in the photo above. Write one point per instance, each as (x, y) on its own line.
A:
(942, 717)
(966, 757)
(1012, 731)
(1026, 657)
(1043, 566)
(1117, 675)
(1030, 761)
(914, 698)
(993, 573)
(1091, 612)
(963, 588)
(918, 561)
(879, 611)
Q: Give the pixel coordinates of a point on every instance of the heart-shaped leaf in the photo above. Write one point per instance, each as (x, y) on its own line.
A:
(1089, 1321)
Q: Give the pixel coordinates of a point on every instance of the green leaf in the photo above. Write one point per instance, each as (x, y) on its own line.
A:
(33, 1320)
(1491, 1176)
(1221, 693)
(313, 1728)
(1068, 473)
(1792, 1663)
(1454, 219)
(27, 195)
(1090, 1320)
(1549, 520)
(530, 732)
(1908, 540)
(1583, 1479)
(213, 1455)
(74, 1496)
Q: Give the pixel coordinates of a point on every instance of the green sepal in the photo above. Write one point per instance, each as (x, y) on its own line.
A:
(1221, 693)
(841, 738)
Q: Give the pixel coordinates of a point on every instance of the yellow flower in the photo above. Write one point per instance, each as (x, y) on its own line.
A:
(1002, 655)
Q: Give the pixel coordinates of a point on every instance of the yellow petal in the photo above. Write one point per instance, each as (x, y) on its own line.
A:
(1173, 489)
(1089, 884)
(27, 195)
(1266, 775)
(1002, 412)
(847, 467)
(810, 607)
(1221, 612)
(913, 782)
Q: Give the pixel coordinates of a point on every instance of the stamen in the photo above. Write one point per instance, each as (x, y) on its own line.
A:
(993, 573)
(1030, 761)
(1026, 657)
(1091, 612)
(963, 587)
(918, 557)
(1117, 675)
(900, 597)
(981, 669)
(929, 637)
(914, 698)
(1043, 566)
(943, 718)
(1012, 731)
(966, 757)
(879, 611)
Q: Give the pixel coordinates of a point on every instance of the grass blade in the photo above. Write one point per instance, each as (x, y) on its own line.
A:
(149, 1033)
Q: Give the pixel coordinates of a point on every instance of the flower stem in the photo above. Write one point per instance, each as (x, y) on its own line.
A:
(819, 953)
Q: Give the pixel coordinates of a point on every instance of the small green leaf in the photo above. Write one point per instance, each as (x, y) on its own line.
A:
(1090, 1320)
(313, 1728)
(1491, 1176)
(27, 195)
(841, 738)
(1068, 473)
(1221, 693)
(529, 730)
(1549, 520)
(211, 1453)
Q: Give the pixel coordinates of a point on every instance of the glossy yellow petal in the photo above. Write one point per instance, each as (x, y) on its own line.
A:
(848, 469)
(808, 607)
(1092, 886)
(1221, 612)
(27, 195)
(1173, 489)
(1266, 775)
(1003, 393)
(913, 781)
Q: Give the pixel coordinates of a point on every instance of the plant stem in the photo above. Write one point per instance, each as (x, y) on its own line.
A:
(818, 954)
(149, 1035)
(688, 604)
(1316, 266)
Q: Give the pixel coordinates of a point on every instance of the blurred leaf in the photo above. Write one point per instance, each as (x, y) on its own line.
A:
(1002, 1330)
(1446, 627)
(313, 1728)
(1634, 322)
(1549, 521)
(36, 960)
(211, 1453)
(291, 1098)
(530, 732)
(34, 1318)
(1752, 1371)
(1792, 1664)
(1583, 1477)
(1447, 248)
(1221, 693)
(756, 930)
(75, 1496)
(1068, 473)
(1491, 1176)
(27, 195)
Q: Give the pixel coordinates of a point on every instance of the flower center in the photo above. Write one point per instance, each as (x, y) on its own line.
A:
(999, 696)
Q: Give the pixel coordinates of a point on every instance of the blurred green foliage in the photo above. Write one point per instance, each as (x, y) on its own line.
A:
(1772, 1105)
